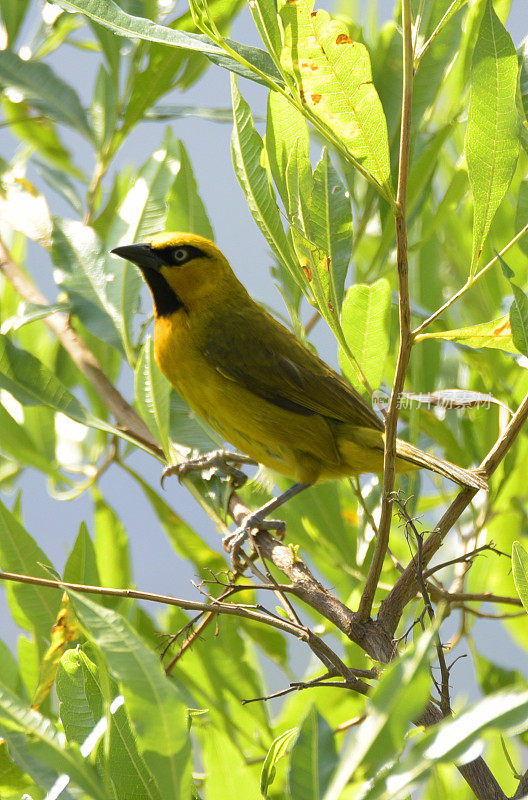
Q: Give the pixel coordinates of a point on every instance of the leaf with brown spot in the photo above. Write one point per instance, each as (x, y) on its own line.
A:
(496, 335)
(339, 87)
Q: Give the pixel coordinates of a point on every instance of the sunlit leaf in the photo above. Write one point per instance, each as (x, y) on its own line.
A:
(492, 138)
(313, 758)
(40, 133)
(520, 572)
(331, 223)
(33, 607)
(247, 147)
(278, 750)
(496, 334)
(458, 739)
(111, 547)
(284, 127)
(186, 211)
(398, 697)
(152, 700)
(365, 320)
(124, 24)
(153, 395)
(521, 215)
(334, 79)
(39, 745)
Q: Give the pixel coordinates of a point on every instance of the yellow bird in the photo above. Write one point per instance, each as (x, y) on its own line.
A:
(253, 381)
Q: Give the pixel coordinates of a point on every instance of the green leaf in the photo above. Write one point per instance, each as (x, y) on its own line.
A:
(492, 137)
(44, 90)
(33, 607)
(82, 704)
(279, 748)
(228, 774)
(104, 109)
(61, 183)
(80, 708)
(521, 215)
(365, 319)
(518, 311)
(313, 758)
(13, 16)
(41, 134)
(10, 674)
(153, 395)
(14, 782)
(247, 148)
(145, 206)
(111, 547)
(103, 290)
(520, 572)
(33, 384)
(523, 59)
(331, 223)
(398, 698)
(284, 127)
(492, 677)
(496, 335)
(30, 312)
(334, 79)
(186, 209)
(17, 443)
(152, 700)
(37, 745)
(111, 16)
(81, 566)
(264, 15)
(79, 258)
(458, 739)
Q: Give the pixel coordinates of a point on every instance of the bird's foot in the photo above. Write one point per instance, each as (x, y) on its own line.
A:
(251, 523)
(217, 459)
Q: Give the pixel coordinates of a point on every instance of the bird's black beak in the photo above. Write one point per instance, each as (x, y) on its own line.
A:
(140, 254)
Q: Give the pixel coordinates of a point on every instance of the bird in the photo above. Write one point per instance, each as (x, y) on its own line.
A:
(255, 383)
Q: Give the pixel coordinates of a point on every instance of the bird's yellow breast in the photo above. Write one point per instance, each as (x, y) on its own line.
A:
(302, 447)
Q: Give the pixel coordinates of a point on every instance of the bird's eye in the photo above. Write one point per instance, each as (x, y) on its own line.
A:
(180, 255)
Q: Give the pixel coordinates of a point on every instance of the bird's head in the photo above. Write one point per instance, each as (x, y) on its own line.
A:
(181, 269)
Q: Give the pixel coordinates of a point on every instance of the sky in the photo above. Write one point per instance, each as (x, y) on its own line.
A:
(55, 525)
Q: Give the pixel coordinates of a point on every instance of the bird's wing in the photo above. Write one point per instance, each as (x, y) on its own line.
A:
(265, 357)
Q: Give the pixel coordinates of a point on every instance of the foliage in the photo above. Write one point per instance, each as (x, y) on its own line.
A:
(323, 181)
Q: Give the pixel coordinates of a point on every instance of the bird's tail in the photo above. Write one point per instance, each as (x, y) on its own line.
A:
(464, 477)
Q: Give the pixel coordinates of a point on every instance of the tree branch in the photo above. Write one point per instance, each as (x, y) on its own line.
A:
(406, 341)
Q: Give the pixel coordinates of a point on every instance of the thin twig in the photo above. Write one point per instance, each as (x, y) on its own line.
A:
(469, 283)
(463, 558)
(445, 701)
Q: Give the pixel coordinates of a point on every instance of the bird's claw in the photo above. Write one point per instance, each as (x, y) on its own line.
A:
(176, 469)
(252, 523)
(218, 459)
